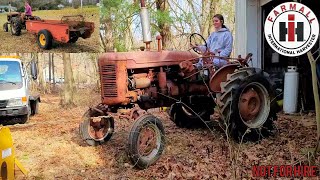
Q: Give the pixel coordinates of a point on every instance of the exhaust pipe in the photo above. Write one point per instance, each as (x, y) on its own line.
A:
(145, 23)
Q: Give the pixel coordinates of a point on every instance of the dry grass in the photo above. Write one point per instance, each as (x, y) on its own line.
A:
(27, 42)
(49, 146)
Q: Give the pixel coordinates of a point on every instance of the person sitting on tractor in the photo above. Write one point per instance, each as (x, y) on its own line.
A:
(219, 43)
(28, 9)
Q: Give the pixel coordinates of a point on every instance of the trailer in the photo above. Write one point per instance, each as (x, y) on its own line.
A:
(65, 30)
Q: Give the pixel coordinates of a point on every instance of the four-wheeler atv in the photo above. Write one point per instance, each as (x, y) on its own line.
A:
(17, 22)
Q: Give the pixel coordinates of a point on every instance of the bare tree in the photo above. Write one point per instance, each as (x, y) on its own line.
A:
(313, 63)
(109, 34)
(164, 27)
(95, 75)
(68, 90)
(41, 65)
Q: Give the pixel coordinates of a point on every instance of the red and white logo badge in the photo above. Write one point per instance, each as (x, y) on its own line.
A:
(291, 29)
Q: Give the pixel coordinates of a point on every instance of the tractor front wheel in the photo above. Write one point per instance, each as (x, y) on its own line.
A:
(146, 141)
(45, 39)
(96, 130)
(6, 27)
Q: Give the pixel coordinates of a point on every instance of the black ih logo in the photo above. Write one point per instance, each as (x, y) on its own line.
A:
(291, 31)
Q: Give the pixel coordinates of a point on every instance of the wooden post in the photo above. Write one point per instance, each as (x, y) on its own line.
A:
(52, 64)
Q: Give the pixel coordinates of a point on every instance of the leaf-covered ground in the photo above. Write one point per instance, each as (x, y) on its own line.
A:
(50, 147)
(27, 41)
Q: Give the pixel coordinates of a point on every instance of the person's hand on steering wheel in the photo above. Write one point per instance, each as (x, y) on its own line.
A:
(195, 40)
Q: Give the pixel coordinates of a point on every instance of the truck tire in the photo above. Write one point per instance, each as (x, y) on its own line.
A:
(16, 26)
(5, 27)
(34, 105)
(15, 120)
(23, 119)
(185, 118)
(147, 134)
(85, 130)
(45, 39)
(247, 104)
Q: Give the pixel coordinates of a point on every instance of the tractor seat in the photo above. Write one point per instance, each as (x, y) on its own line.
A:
(33, 18)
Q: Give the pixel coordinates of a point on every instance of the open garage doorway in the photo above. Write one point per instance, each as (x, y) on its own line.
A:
(276, 64)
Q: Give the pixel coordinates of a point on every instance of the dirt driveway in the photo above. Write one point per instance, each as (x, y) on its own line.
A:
(49, 146)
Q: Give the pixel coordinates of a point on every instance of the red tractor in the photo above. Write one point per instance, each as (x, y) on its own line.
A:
(240, 97)
(17, 22)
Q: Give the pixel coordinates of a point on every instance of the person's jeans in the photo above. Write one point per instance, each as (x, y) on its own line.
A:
(218, 63)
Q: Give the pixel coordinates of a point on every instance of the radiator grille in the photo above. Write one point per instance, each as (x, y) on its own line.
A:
(109, 80)
(3, 103)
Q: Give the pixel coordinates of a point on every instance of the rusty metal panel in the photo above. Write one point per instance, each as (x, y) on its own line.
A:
(148, 59)
(114, 84)
(58, 30)
(109, 80)
(221, 76)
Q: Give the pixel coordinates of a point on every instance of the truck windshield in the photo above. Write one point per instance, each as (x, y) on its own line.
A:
(10, 72)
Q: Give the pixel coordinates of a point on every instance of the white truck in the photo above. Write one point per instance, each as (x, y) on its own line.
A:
(16, 102)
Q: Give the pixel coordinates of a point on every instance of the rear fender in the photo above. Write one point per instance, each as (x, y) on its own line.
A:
(221, 76)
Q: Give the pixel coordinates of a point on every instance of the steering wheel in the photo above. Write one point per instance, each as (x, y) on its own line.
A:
(195, 40)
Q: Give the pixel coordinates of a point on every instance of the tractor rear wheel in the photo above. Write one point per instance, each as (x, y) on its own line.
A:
(246, 104)
(16, 26)
(5, 27)
(45, 39)
(184, 117)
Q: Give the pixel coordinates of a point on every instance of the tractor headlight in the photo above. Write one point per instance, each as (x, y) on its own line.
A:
(17, 102)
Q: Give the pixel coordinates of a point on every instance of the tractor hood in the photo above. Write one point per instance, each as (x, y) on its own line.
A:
(146, 59)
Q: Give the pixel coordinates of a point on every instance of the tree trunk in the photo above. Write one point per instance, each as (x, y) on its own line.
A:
(42, 81)
(313, 64)
(208, 11)
(96, 71)
(128, 35)
(68, 91)
(109, 35)
(213, 7)
(50, 74)
(163, 6)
